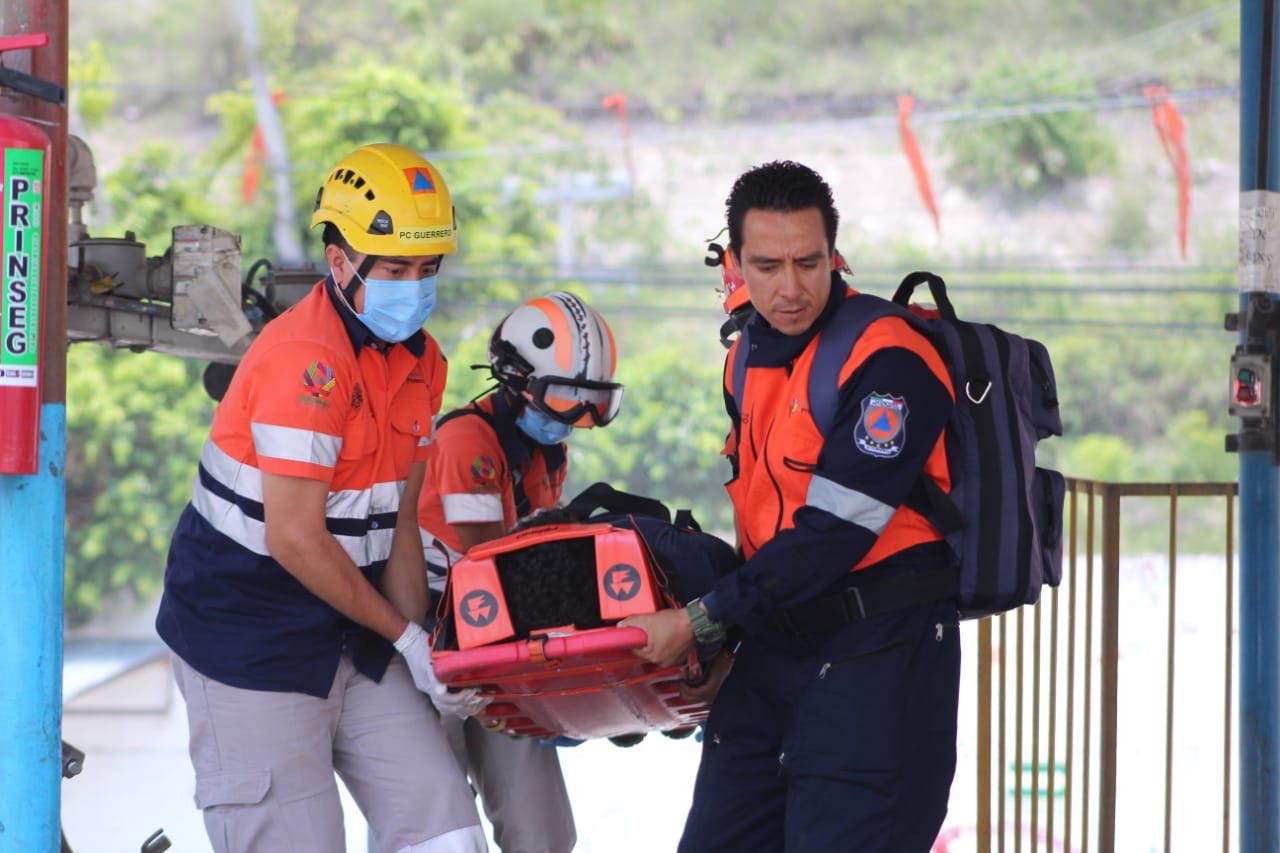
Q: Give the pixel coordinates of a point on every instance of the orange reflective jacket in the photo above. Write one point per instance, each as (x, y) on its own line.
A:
(776, 442)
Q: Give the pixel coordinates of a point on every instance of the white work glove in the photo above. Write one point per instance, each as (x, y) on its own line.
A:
(413, 644)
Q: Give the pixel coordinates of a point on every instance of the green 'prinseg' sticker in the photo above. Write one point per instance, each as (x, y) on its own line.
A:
(23, 195)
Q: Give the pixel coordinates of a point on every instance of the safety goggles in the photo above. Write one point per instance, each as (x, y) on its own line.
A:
(580, 402)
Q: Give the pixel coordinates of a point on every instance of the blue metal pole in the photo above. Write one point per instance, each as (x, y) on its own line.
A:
(1259, 481)
(32, 507)
(31, 548)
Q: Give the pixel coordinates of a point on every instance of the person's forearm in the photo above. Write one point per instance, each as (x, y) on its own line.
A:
(475, 533)
(404, 581)
(320, 564)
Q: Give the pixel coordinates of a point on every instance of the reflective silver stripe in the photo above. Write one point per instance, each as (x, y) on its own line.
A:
(296, 445)
(463, 509)
(362, 503)
(235, 475)
(229, 520)
(370, 548)
(851, 505)
(246, 480)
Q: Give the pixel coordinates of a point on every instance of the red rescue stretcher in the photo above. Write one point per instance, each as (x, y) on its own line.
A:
(563, 680)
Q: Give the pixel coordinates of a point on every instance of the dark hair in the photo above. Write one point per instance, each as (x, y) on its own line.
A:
(784, 186)
(550, 515)
(333, 237)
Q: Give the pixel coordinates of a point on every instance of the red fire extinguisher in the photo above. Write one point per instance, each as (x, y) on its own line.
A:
(25, 152)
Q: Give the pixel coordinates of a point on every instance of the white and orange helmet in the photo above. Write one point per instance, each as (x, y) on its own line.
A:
(559, 354)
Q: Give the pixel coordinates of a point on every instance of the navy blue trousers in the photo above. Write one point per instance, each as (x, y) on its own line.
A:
(846, 742)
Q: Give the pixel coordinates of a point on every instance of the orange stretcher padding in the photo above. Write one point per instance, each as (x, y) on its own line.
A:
(625, 581)
(585, 685)
(564, 681)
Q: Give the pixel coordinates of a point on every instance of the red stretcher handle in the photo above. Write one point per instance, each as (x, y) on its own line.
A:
(671, 673)
(602, 644)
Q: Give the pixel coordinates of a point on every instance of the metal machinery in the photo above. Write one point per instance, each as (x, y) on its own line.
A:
(191, 300)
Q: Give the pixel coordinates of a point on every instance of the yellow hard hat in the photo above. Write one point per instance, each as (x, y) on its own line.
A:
(387, 200)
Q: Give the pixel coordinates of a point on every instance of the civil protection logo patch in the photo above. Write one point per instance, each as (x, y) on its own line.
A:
(622, 582)
(882, 429)
(479, 608)
(419, 180)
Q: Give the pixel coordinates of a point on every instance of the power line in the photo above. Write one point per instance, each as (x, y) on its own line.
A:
(928, 113)
(1177, 29)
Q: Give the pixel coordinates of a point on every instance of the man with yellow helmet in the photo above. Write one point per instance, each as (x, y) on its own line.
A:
(295, 574)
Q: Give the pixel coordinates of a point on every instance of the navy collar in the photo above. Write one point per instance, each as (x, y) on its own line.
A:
(771, 348)
(516, 446)
(359, 333)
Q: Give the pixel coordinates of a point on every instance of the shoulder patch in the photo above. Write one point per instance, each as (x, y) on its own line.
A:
(484, 472)
(318, 383)
(882, 429)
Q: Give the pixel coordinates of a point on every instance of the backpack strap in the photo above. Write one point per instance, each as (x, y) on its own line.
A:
(834, 345)
(738, 368)
(835, 342)
(684, 519)
(463, 412)
(937, 289)
(604, 496)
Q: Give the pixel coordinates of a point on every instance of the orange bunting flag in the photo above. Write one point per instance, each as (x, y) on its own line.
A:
(1173, 139)
(253, 158)
(912, 149)
(617, 102)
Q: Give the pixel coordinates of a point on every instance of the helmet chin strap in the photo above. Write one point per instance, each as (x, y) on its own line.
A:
(353, 287)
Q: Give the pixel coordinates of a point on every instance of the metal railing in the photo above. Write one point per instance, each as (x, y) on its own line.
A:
(1043, 781)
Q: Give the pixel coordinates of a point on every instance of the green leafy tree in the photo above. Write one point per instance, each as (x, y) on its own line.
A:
(135, 425)
(667, 439)
(152, 191)
(89, 73)
(1028, 154)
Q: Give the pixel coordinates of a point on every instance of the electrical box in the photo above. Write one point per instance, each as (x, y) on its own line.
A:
(1252, 389)
(1250, 385)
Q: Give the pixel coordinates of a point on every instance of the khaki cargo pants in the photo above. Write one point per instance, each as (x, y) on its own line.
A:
(265, 761)
(520, 786)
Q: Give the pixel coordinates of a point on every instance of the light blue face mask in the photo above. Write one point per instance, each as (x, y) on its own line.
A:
(541, 427)
(394, 310)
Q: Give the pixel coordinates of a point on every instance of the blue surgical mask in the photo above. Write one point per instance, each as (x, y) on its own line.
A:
(542, 428)
(394, 310)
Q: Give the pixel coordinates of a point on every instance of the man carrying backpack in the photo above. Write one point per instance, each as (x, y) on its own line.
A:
(493, 463)
(836, 727)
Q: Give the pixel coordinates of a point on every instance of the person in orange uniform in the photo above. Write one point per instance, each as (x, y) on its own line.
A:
(495, 462)
(295, 575)
(835, 729)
